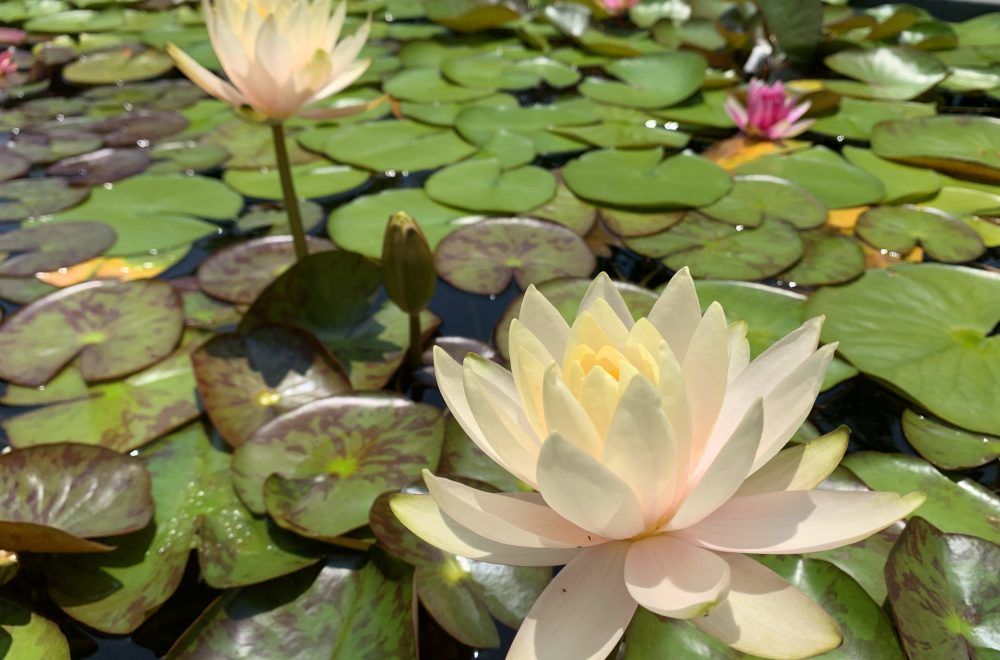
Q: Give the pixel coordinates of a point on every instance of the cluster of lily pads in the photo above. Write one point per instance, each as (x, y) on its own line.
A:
(177, 383)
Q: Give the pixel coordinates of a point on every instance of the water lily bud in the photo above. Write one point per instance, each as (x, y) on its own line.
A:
(8, 566)
(407, 264)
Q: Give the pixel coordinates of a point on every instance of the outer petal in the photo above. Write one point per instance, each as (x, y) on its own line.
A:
(602, 288)
(739, 349)
(706, 368)
(204, 78)
(677, 313)
(764, 615)
(802, 467)
(583, 612)
(585, 492)
(422, 516)
(736, 112)
(545, 322)
(674, 579)
(448, 374)
(799, 521)
(528, 360)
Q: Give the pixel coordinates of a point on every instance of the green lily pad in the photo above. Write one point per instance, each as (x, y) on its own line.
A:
(120, 415)
(484, 186)
(151, 212)
(478, 124)
(61, 495)
(484, 257)
(944, 603)
(41, 147)
(705, 109)
(318, 469)
(444, 114)
(923, 328)
(643, 179)
(26, 634)
(649, 81)
(959, 200)
(472, 15)
(312, 180)
(902, 183)
(400, 145)
(26, 198)
(251, 146)
(247, 380)
(74, 21)
(720, 251)
(894, 74)
(632, 224)
(333, 296)
(962, 507)
(45, 248)
(568, 210)
(186, 157)
(965, 145)
(900, 228)
(115, 329)
(948, 447)
(341, 612)
(495, 71)
(624, 135)
(828, 257)
(756, 197)
(426, 85)
(117, 66)
(511, 149)
(834, 181)
(462, 595)
(855, 118)
(360, 225)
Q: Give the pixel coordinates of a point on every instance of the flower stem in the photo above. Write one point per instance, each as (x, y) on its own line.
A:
(288, 189)
(415, 349)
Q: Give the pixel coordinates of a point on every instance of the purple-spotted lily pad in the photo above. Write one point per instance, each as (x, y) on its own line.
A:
(461, 458)
(900, 228)
(56, 497)
(116, 328)
(341, 613)
(23, 290)
(484, 257)
(462, 595)
(44, 248)
(239, 273)
(102, 166)
(140, 128)
(196, 508)
(12, 166)
(333, 296)
(47, 146)
(317, 469)
(26, 634)
(247, 380)
(202, 310)
(26, 198)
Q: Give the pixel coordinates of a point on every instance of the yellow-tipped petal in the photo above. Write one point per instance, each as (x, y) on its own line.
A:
(802, 467)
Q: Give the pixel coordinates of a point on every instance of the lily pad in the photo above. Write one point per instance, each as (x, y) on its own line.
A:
(902, 183)
(12, 166)
(461, 457)
(649, 81)
(631, 224)
(251, 146)
(483, 186)
(901, 228)
(855, 118)
(894, 73)
(26, 634)
(965, 145)
(478, 124)
(99, 167)
(495, 71)
(118, 66)
(828, 257)
(115, 328)
(484, 257)
(48, 247)
(186, 157)
(705, 108)
(756, 197)
(944, 603)
(360, 225)
(73, 21)
(400, 145)
(924, 329)
(25, 198)
(247, 380)
(948, 447)
(426, 85)
(444, 114)
(140, 128)
(834, 181)
(58, 496)
(258, 216)
(41, 147)
(312, 180)
(511, 149)
(625, 135)
(643, 179)
(318, 469)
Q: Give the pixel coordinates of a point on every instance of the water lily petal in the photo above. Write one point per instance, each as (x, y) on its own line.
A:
(764, 615)
(677, 313)
(603, 288)
(739, 349)
(671, 578)
(204, 78)
(543, 320)
(583, 612)
(448, 374)
(528, 361)
(584, 491)
(802, 467)
(736, 112)
(674, 399)
(799, 520)
(706, 368)
(422, 516)
(599, 398)
(564, 414)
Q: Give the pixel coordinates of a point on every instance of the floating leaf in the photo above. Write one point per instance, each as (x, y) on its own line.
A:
(650, 81)
(494, 70)
(461, 457)
(705, 108)
(902, 228)
(855, 118)
(251, 145)
(755, 197)
(948, 447)
(48, 247)
(26, 634)
(484, 257)
(965, 145)
(902, 182)
(478, 124)
(73, 21)
(115, 329)
(12, 166)
(312, 180)
(47, 146)
(98, 167)
(895, 74)
(58, 496)
(483, 186)
(625, 135)
(117, 66)
(186, 157)
(427, 85)
(828, 257)
(401, 145)
(568, 210)
(27, 198)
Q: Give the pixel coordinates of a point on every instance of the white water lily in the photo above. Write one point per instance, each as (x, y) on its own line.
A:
(655, 449)
(279, 55)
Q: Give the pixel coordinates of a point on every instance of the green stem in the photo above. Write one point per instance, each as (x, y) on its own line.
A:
(415, 351)
(288, 188)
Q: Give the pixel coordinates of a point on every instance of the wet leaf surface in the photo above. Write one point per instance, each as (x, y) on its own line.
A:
(948, 447)
(27, 198)
(482, 186)
(48, 247)
(902, 228)
(25, 634)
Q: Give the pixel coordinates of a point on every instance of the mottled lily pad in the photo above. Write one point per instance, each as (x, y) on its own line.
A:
(828, 257)
(26, 634)
(650, 81)
(27, 198)
(251, 146)
(948, 447)
(318, 469)
(258, 216)
(44, 248)
(901, 228)
(140, 128)
(115, 328)
(102, 166)
(756, 197)
(402, 146)
(923, 328)
(461, 457)
(484, 186)
(312, 180)
(894, 74)
(965, 145)
(643, 179)
(855, 118)
(484, 257)
(239, 273)
(56, 497)
(40, 147)
(12, 166)
(247, 380)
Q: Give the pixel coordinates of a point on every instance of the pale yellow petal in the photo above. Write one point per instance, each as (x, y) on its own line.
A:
(545, 322)
(603, 288)
(676, 313)
(705, 368)
(204, 78)
(801, 467)
(564, 414)
(671, 578)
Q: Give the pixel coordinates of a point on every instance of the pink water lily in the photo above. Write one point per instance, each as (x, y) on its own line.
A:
(7, 63)
(655, 448)
(771, 112)
(615, 7)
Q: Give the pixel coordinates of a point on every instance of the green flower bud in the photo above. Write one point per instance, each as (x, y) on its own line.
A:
(407, 264)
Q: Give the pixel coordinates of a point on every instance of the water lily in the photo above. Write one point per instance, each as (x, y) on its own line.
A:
(655, 448)
(771, 112)
(616, 7)
(7, 63)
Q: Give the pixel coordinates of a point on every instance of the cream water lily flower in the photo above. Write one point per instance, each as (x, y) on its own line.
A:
(654, 447)
(278, 54)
